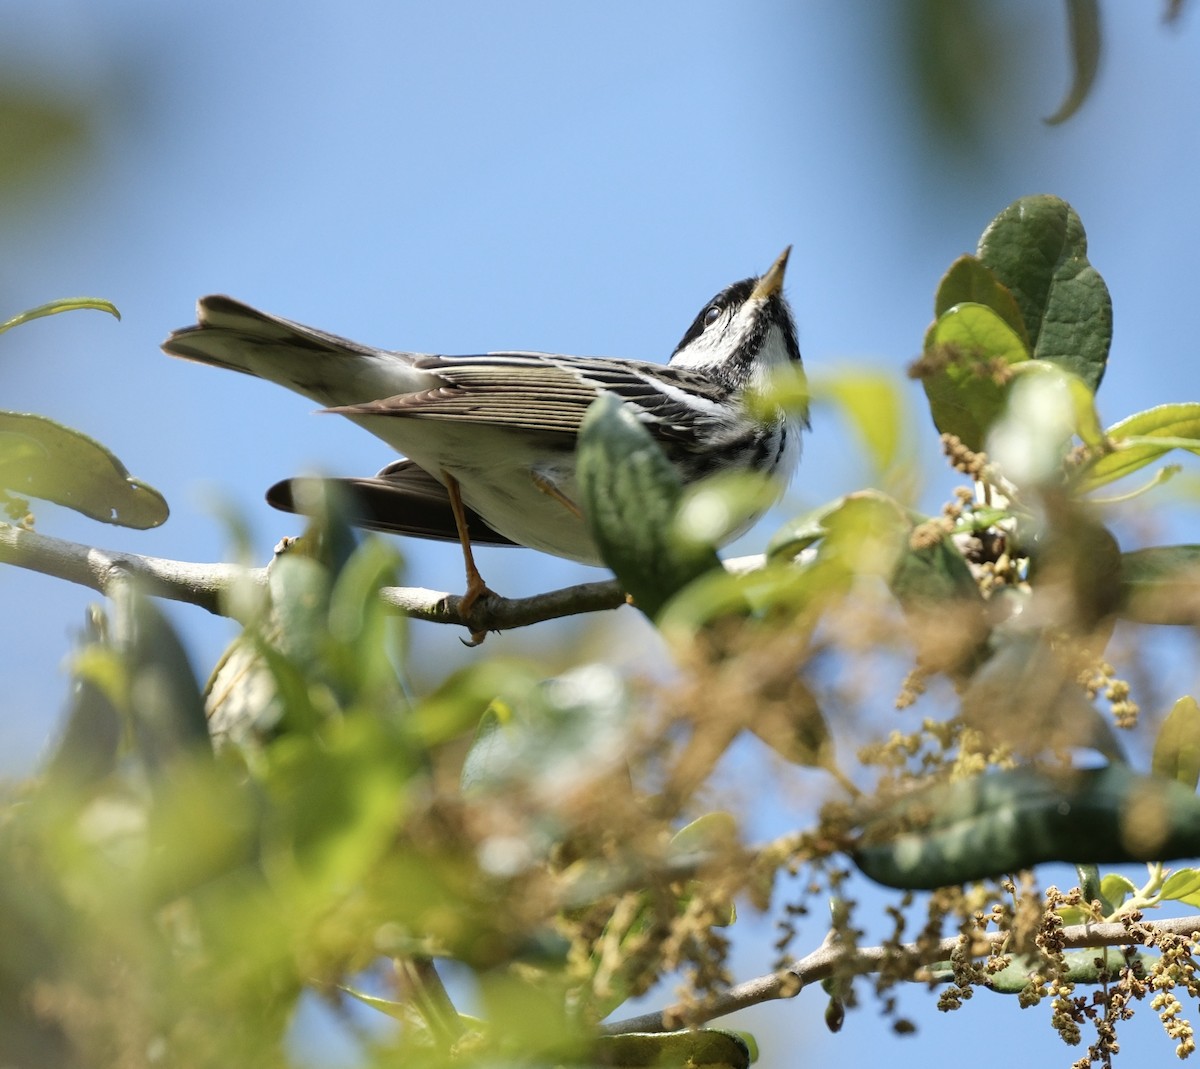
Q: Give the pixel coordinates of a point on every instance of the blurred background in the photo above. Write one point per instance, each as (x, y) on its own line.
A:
(580, 178)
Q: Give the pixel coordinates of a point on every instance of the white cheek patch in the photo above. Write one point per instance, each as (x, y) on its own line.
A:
(716, 344)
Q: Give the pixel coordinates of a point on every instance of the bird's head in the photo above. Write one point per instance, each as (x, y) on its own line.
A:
(745, 334)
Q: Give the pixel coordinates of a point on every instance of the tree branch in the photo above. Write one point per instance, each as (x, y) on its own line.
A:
(198, 584)
(495, 613)
(206, 585)
(829, 957)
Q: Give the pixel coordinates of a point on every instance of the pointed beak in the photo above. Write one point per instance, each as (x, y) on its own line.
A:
(772, 282)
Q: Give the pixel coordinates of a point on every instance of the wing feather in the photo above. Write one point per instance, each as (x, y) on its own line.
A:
(546, 393)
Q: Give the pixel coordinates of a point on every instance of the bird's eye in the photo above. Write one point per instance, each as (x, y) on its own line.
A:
(712, 315)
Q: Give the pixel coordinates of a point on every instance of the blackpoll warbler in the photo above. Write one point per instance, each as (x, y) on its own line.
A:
(490, 440)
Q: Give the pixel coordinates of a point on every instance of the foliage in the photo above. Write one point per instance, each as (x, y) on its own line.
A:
(550, 841)
(43, 459)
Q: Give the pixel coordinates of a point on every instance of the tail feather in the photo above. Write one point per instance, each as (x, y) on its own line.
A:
(324, 367)
(401, 499)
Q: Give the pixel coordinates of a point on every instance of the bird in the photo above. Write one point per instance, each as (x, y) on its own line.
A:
(488, 441)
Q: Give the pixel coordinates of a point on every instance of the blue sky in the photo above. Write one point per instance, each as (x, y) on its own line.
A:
(466, 176)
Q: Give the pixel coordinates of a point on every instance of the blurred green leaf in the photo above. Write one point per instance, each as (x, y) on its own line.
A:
(718, 508)
(972, 348)
(1026, 698)
(1161, 585)
(868, 522)
(872, 403)
(795, 728)
(941, 600)
(464, 701)
(1164, 475)
(564, 732)
(704, 1048)
(46, 134)
(712, 831)
(1032, 439)
(336, 801)
(800, 533)
(323, 643)
(1086, 420)
(400, 1011)
(1177, 745)
(165, 704)
(86, 751)
(46, 460)
(935, 574)
(630, 496)
(1037, 248)
(956, 54)
(1008, 820)
(1084, 22)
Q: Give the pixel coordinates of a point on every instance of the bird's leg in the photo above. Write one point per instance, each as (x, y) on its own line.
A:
(550, 490)
(476, 587)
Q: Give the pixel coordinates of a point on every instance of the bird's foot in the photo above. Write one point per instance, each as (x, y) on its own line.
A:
(476, 589)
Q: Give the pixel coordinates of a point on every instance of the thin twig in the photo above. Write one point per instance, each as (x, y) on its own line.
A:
(830, 956)
(494, 613)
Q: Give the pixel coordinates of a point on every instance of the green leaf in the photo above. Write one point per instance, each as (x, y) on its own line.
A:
(630, 496)
(1160, 585)
(1089, 884)
(1183, 886)
(1177, 745)
(973, 347)
(970, 281)
(870, 524)
(67, 304)
(1038, 250)
(1170, 421)
(703, 1048)
(1141, 439)
(1090, 966)
(1013, 819)
(798, 534)
(1115, 888)
(46, 460)
(1084, 22)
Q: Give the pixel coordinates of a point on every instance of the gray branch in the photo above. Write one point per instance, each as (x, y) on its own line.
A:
(206, 585)
(830, 957)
